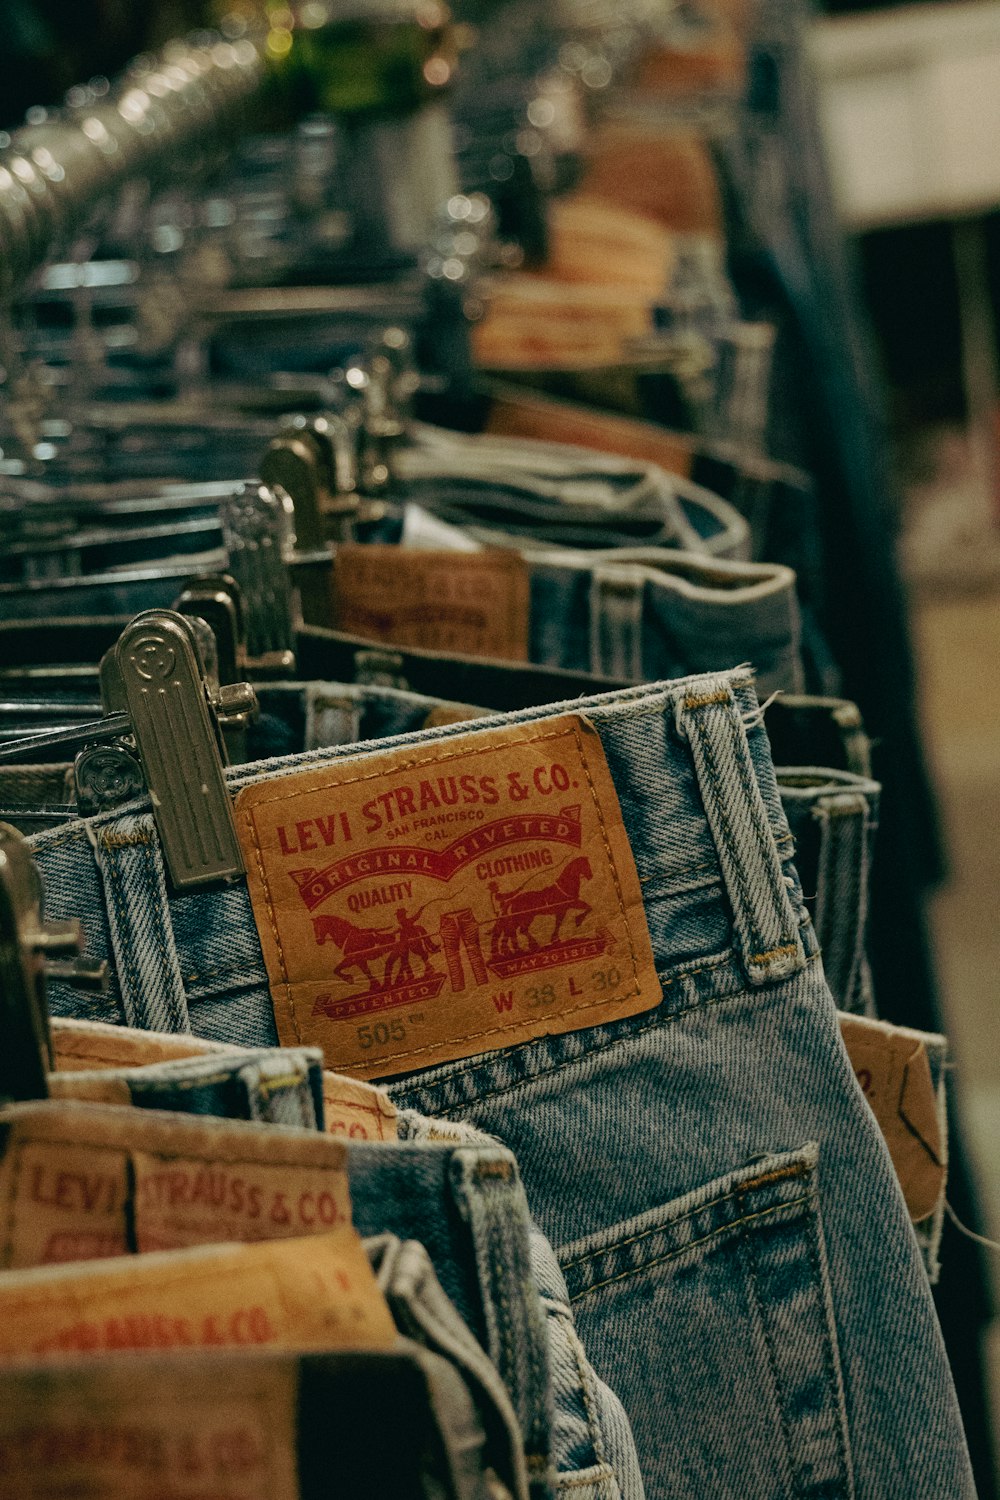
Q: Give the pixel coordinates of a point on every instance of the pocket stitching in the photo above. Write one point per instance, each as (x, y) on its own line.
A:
(673, 1255)
(736, 1192)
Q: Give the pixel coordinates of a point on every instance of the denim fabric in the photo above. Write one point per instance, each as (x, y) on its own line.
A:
(639, 614)
(815, 731)
(99, 549)
(593, 1450)
(111, 593)
(423, 1313)
(277, 1086)
(833, 817)
(644, 613)
(28, 790)
(467, 1208)
(790, 1341)
(317, 715)
(501, 685)
(557, 493)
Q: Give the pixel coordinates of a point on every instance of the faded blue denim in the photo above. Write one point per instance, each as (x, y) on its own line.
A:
(833, 817)
(277, 1086)
(738, 1254)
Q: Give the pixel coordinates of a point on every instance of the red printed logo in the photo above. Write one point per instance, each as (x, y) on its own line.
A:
(461, 894)
(516, 927)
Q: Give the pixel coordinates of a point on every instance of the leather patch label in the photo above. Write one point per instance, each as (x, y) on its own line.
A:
(78, 1183)
(420, 905)
(317, 1293)
(61, 1199)
(467, 603)
(193, 1200)
(892, 1066)
(358, 1110)
(141, 1429)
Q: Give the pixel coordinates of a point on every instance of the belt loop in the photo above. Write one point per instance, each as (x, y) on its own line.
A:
(766, 925)
(491, 1198)
(331, 719)
(841, 911)
(142, 939)
(284, 1088)
(616, 604)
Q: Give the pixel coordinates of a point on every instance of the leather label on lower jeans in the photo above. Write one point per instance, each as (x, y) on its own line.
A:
(79, 1183)
(420, 905)
(61, 1199)
(219, 1430)
(195, 1200)
(468, 603)
(358, 1110)
(302, 1294)
(893, 1069)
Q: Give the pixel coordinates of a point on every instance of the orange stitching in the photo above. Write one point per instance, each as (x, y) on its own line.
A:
(773, 953)
(722, 696)
(737, 1192)
(662, 1259)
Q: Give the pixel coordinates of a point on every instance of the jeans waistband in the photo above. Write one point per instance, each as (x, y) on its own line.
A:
(700, 806)
(645, 613)
(500, 685)
(278, 1087)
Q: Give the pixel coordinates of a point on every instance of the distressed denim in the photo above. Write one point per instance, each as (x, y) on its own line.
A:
(735, 1245)
(833, 817)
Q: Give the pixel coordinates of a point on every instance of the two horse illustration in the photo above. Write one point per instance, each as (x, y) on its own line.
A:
(517, 911)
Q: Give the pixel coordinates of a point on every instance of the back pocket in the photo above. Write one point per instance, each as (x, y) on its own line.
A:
(711, 1317)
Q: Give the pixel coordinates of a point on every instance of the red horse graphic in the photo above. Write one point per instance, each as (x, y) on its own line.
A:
(362, 946)
(517, 910)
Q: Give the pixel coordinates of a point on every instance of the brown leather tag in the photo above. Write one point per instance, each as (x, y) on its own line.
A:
(62, 1198)
(358, 1110)
(138, 1429)
(80, 1182)
(524, 414)
(470, 603)
(181, 1201)
(420, 905)
(85, 1046)
(317, 1293)
(892, 1067)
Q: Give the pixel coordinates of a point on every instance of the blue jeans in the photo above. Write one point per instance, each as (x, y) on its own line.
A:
(833, 816)
(740, 1260)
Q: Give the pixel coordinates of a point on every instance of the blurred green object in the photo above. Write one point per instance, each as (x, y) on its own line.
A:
(379, 62)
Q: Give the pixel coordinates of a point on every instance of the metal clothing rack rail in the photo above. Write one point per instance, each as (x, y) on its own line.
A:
(54, 173)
